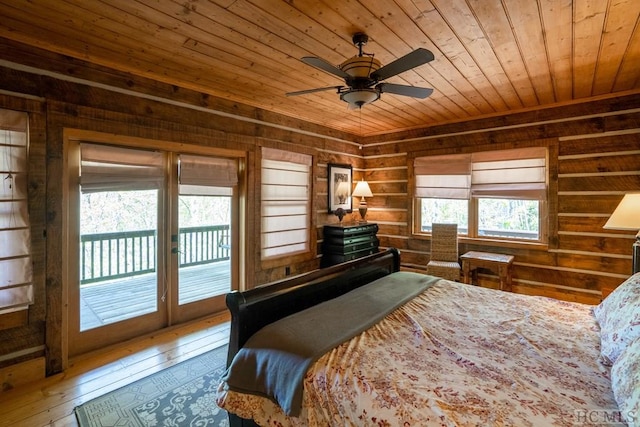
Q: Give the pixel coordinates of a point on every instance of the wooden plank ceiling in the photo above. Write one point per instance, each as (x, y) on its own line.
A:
(491, 56)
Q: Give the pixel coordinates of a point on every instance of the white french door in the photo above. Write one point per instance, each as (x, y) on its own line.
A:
(151, 235)
(203, 252)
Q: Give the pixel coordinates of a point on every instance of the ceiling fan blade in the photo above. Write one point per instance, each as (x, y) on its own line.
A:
(411, 60)
(325, 66)
(413, 91)
(319, 89)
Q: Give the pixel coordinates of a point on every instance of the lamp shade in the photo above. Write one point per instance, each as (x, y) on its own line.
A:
(627, 215)
(362, 190)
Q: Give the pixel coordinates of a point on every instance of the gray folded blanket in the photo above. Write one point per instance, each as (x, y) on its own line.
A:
(275, 360)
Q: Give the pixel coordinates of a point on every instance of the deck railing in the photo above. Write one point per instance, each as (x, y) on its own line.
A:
(107, 256)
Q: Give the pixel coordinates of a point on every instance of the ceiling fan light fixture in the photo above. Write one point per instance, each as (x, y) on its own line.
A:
(356, 98)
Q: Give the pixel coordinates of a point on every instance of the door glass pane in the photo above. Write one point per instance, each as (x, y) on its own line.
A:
(204, 245)
(118, 256)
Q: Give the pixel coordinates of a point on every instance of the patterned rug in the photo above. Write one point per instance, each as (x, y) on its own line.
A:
(181, 395)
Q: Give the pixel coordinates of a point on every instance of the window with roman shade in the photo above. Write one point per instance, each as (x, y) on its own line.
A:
(16, 279)
(498, 194)
(286, 202)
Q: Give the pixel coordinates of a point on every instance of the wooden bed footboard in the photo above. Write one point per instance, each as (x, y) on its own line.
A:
(253, 309)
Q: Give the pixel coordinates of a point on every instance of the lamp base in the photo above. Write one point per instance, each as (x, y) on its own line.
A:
(362, 209)
(363, 213)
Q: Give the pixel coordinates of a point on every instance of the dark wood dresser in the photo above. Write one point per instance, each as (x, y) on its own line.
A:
(344, 242)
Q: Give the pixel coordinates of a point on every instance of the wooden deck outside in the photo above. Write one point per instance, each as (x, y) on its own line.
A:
(115, 300)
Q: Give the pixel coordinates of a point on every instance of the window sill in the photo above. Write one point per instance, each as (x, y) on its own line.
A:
(504, 243)
(486, 241)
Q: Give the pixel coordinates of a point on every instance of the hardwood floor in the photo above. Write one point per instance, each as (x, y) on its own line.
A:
(50, 402)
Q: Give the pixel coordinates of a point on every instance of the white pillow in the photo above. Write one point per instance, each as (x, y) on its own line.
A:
(619, 319)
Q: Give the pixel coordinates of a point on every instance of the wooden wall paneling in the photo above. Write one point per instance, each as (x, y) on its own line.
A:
(391, 229)
(387, 175)
(585, 146)
(588, 118)
(560, 293)
(616, 265)
(587, 224)
(396, 160)
(56, 338)
(599, 203)
(609, 182)
(15, 319)
(596, 170)
(588, 176)
(384, 214)
(607, 163)
(37, 209)
(576, 280)
(596, 243)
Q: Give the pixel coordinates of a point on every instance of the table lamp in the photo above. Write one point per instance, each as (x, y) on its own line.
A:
(626, 216)
(362, 190)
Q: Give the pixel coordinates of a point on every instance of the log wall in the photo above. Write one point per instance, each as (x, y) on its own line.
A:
(594, 159)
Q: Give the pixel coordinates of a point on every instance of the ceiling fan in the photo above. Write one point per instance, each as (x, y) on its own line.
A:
(363, 75)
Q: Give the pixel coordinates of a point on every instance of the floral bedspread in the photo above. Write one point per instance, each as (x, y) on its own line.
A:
(457, 355)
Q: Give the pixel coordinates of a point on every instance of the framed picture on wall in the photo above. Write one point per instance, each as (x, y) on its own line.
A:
(339, 183)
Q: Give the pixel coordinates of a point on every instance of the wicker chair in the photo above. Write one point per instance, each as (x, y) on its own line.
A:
(444, 252)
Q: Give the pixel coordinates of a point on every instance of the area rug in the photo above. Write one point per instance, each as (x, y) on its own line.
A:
(181, 395)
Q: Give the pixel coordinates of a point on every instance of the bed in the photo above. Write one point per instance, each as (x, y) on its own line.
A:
(364, 344)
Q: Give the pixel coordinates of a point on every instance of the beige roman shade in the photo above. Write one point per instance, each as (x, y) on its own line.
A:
(16, 277)
(286, 203)
(443, 177)
(109, 168)
(212, 176)
(516, 174)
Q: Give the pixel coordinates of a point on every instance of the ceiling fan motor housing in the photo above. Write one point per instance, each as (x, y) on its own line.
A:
(360, 66)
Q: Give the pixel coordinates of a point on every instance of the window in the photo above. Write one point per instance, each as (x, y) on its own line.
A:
(496, 194)
(286, 203)
(16, 288)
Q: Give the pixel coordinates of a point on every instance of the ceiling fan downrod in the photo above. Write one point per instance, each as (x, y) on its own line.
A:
(360, 39)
